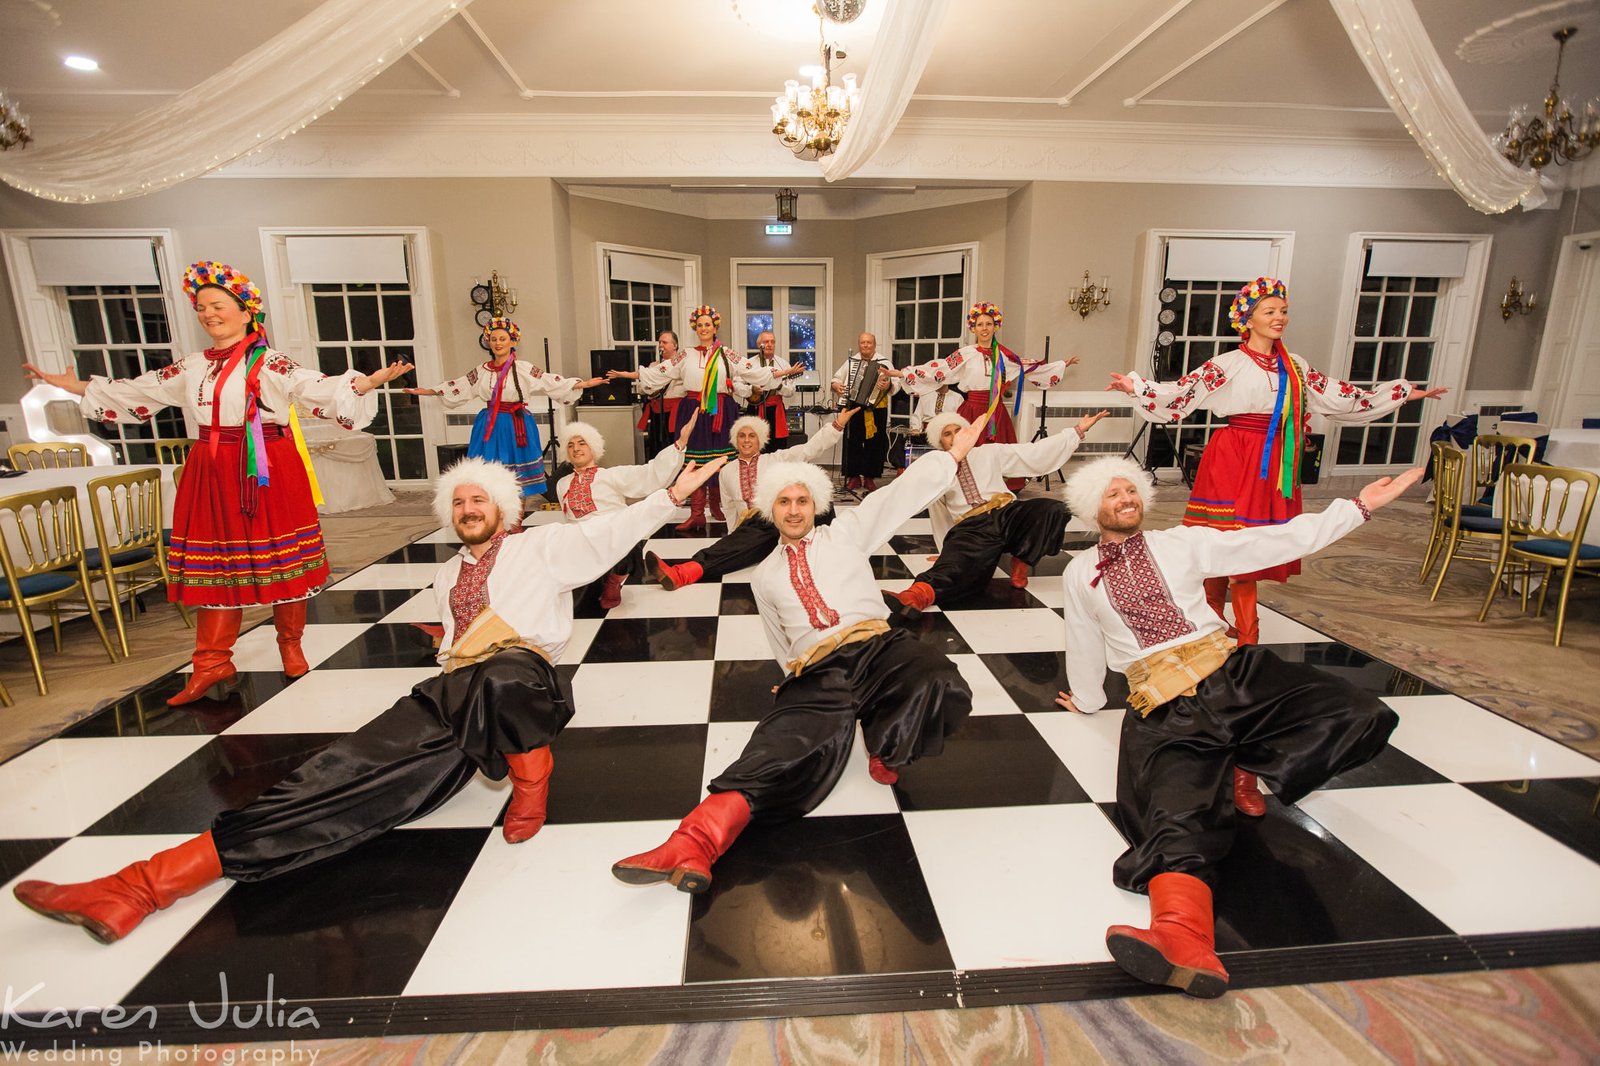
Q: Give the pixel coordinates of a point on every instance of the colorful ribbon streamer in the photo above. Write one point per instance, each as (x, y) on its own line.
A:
(1280, 456)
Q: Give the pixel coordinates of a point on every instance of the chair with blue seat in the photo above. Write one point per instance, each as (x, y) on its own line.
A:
(1547, 511)
(1442, 451)
(41, 553)
(126, 511)
(1490, 453)
(1468, 536)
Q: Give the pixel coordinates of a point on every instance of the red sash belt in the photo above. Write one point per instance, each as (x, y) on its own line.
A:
(1252, 423)
(780, 416)
(716, 419)
(235, 434)
(519, 425)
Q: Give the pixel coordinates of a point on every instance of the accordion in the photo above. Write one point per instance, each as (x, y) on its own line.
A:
(861, 384)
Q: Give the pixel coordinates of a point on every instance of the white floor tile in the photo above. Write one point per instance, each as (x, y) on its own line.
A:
(1476, 867)
(856, 792)
(1088, 745)
(257, 650)
(742, 636)
(70, 969)
(583, 633)
(653, 601)
(332, 701)
(391, 576)
(479, 804)
(988, 695)
(444, 535)
(423, 607)
(676, 549)
(547, 913)
(64, 786)
(1279, 629)
(1047, 589)
(917, 562)
(993, 632)
(654, 693)
(1464, 742)
(1037, 894)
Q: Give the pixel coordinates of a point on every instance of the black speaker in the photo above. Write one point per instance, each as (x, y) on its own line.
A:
(449, 455)
(617, 393)
(1311, 458)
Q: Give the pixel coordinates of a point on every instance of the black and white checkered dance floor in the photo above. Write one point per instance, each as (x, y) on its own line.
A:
(983, 877)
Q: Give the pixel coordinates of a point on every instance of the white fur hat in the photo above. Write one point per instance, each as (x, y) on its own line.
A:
(762, 427)
(591, 436)
(1087, 485)
(778, 474)
(498, 481)
(935, 428)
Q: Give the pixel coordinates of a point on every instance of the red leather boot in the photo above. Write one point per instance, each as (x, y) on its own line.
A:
(1244, 613)
(714, 499)
(913, 601)
(697, 512)
(881, 772)
(1179, 948)
(1019, 574)
(685, 860)
(611, 594)
(1247, 797)
(530, 788)
(215, 630)
(109, 908)
(674, 576)
(1217, 598)
(290, 621)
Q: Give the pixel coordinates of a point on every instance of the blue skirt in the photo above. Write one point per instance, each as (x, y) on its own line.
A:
(526, 462)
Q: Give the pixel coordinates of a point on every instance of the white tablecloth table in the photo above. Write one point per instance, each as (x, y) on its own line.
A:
(78, 477)
(1574, 447)
(347, 467)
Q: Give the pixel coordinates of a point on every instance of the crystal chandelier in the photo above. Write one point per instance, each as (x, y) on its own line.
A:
(1557, 136)
(811, 120)
(13, 125)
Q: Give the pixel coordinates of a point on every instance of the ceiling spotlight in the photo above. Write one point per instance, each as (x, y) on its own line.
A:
(81, 63)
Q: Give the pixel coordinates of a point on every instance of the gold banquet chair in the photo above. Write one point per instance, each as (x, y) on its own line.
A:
(1490, 454)
(1533, 534)
(173, 451)
(1441, 522)
(1466, 536)
(41, 552)
(47, 456)
(126, 511)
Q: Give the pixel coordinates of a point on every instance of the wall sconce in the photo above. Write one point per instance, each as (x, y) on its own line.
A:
(493, 299)
(1513, 303)
(787, 203)
(1091, 297)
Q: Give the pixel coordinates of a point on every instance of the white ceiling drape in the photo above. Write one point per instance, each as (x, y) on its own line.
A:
(899, 53)
(270, 92)
(1391, 41)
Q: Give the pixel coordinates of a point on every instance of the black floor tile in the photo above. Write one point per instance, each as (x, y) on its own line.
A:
(890, 568)
(741, 690)
(996, 595)
(1358, 668)
(627, 773)
(228, 772)
(1032, 679)
(737, 599)
(17, 855)
(934, 629)
(1567, 808)
(992, 760)
(353, 925)
(384, 644)
(337, 606)
(423, 553)
(145, 712)
(1391, 767)
(917, 544)
(632, 640)
(816, 897)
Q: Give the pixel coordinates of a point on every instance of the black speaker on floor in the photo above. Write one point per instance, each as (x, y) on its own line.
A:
(1311, 458)
(611, 393)
(449, 455)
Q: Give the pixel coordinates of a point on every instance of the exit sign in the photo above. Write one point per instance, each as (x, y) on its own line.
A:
(779, 229)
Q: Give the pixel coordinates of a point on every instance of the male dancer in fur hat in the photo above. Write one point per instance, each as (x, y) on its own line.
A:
(506, 604)
(751, 537)
(825, 621)
(1199, 704)
(593, 489)
(976, 520)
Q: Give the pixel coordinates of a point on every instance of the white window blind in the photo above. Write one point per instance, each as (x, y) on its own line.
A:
(94, 261)
(341, 260)
(921, 266)
(1417, 259)
(814, 275)
(1218, 259)
(651, 269)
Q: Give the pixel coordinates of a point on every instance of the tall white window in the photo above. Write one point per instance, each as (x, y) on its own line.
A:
(365, 326)
(644, 294)
(791, 298)
(925, 297)
(122, 331)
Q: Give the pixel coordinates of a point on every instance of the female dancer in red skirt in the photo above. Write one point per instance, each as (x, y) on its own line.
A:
(244, 525)
(1250, 470)
(980, 367)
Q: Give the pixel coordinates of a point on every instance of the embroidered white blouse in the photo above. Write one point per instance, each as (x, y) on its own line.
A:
(597, 489)
(982, 474)
(477, 384)
(738, 477)
(190, 383)
(969, 369)
(1150, 594)
(690, 372)
(533, 577)
(837, 556)
(1235, 384)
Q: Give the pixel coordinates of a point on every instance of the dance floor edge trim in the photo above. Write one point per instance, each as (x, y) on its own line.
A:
(381, 1016)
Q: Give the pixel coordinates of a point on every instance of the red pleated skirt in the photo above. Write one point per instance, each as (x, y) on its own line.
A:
(1230, 493)
(222, 557)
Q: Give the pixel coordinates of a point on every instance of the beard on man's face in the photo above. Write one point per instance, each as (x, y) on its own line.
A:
(474, 528)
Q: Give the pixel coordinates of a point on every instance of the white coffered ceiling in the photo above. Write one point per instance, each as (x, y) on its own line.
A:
(608, 92)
